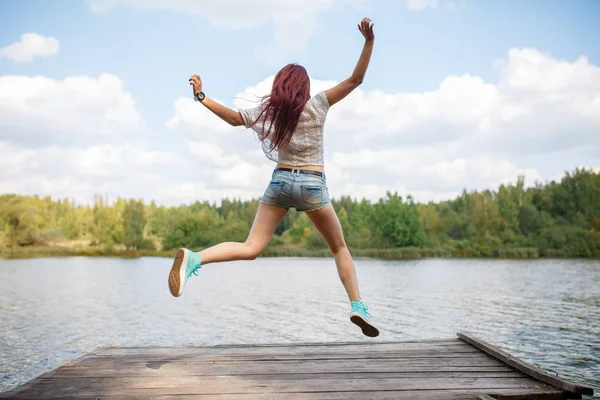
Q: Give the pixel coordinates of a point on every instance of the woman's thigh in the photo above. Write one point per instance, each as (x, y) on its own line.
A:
(267, 218)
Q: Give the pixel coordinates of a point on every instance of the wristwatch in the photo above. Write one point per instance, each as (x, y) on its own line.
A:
(199, 96)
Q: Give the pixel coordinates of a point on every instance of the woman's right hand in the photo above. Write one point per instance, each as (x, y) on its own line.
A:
(196, 83)
(366, 28)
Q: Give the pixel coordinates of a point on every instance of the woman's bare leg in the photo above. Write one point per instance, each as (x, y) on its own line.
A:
(328, 224)
(265, 222)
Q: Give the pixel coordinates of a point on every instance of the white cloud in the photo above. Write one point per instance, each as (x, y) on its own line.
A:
(126, 170)
(293, 20)
(30, 46)
(129, 170)
(77, 110)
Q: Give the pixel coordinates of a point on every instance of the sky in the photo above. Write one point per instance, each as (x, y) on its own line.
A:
(460, 94)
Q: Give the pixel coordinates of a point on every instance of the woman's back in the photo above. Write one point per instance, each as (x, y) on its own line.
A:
(306, 144)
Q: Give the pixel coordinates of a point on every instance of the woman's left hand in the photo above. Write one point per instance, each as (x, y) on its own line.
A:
(196, 83)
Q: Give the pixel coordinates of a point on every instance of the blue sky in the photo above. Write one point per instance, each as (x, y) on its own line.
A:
(152, 47)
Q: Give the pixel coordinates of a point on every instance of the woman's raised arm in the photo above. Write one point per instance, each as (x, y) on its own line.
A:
(232, 117)
(344, 88)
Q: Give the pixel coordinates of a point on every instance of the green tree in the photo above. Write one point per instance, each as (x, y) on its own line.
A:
(108, 221)
(508, 208)
(194, 229)
(301, 229)
(399, 221)
(134, 223)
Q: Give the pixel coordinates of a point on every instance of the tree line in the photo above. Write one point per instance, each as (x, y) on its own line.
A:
(555, 219)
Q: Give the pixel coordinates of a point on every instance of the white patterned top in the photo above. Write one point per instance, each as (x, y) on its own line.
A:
(306, 146)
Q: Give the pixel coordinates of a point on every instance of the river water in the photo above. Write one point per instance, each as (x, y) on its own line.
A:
(53, 310)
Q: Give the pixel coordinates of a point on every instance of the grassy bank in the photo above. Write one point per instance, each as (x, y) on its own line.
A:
(286, 251)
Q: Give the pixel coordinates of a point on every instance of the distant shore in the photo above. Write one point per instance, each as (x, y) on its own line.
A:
(387, 254)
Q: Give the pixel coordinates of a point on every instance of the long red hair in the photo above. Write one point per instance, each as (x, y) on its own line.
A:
(282, 108)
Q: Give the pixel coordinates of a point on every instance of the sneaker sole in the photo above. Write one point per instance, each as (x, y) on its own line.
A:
(176, 276)
(367, 329)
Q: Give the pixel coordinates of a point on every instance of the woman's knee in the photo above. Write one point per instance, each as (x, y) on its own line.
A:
(337, 247)
(252, 251)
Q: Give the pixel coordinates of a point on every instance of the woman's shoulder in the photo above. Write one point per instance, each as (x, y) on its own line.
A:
(319, 101)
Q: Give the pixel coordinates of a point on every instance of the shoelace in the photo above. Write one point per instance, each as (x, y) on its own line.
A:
(194, 272)
(366, 309)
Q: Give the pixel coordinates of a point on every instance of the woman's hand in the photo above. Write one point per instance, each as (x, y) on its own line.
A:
(366, 28)
(232, 117)
(196, 83)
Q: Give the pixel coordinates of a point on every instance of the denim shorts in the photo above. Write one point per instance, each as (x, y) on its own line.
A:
(304, 192)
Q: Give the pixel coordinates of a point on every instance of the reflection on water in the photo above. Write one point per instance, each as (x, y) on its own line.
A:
(54, 310)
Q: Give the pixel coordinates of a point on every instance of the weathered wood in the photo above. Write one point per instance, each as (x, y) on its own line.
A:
(440, 369)
(223, 355)
(186, 385)
(367, 343)
(108, 369)
(525, 367)
(285, 351)
(297, 375)
(299, 347)
(483, 360)
(459, 394)
(431, 359)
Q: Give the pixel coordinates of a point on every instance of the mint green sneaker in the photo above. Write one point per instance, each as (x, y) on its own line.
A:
(185, 264)
(360, 316)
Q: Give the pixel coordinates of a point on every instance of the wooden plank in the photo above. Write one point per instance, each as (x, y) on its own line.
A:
(525, 367)
(476, 358)
(367, 343)
(110, 368)
(446, 362)
(299, 346)
(241, 356)
(482, 361)
(185, 385)
(425, 375)
(461, 347)
(283, 356)
(457, 394)
(292, 375)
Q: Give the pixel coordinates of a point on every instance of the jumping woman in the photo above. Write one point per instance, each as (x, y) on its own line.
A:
(289, 124)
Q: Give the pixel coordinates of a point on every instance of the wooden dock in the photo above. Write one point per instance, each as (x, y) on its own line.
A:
(460, 368)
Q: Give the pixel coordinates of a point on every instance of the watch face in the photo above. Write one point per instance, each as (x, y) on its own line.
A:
(200, 96)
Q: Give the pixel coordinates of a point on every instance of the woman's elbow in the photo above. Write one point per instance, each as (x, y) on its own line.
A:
(236, 121)
(356, 80)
